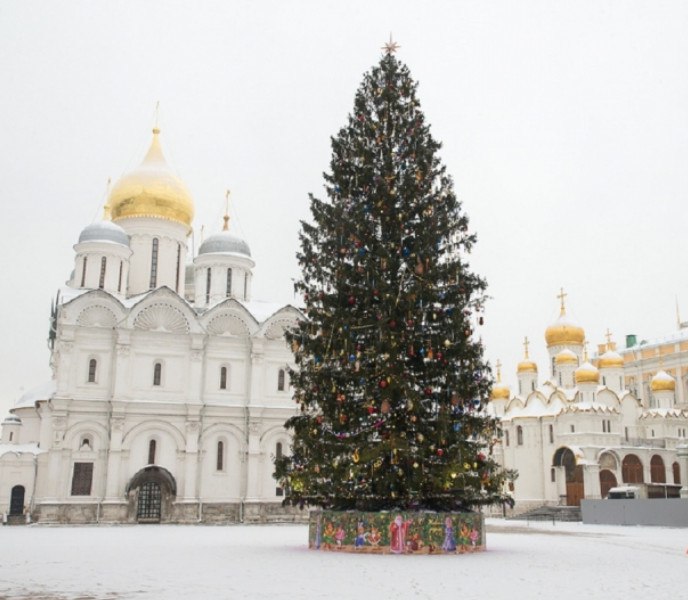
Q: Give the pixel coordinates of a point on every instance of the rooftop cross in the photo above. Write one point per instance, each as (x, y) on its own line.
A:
(526, 343)
(225, 227)
(561, 297)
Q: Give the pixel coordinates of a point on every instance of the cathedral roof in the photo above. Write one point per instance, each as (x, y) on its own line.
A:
(610, 360)
(104, 231)
(224, 243)
(663, 382)
(152, 190)
(40, 392)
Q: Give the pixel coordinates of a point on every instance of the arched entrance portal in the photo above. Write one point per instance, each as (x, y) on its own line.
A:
(151, 493)
(17, 500)
(575, 489)
(607, 482)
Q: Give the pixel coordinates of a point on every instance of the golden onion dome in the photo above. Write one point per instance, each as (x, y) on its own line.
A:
(566, 357)
(663, 382)
(610, 360)
(564, 331)
(499, 390)
(526, 366)
(152, 190)
(587, 373)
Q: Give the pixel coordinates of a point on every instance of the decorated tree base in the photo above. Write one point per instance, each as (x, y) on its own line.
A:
(396, 532)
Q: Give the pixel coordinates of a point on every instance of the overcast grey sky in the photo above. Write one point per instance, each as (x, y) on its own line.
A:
(564, 125)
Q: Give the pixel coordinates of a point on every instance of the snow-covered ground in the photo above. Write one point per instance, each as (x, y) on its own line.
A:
(522, 562)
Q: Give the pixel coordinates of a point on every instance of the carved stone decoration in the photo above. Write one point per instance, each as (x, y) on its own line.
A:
(228, 324)
(162, 317)
(276, 330)
(96, 316)
(254, 427)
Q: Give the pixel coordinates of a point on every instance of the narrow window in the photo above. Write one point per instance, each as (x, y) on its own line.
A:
(604, 380)
(157, 373)
(278, 454)
(151, 452)
(609, 426)
(245, 286)
(520, 388)
(223, 378)
(220, 462)
(103, 267)
(280, 380)
(573, 429)
(553, 474)
(551, 434)
(92, 366)
(229, 282)
(506, 438)
(82, 479)
(532, 386)
(626, 433)
(604, 426)
(11, 435)
(179, 264)
(207, 286)
(119, 279)
(83, 272)
(154, 264)
(519, 435)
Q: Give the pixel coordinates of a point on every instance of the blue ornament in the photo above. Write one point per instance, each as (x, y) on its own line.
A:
(405, 251)
(352, 357)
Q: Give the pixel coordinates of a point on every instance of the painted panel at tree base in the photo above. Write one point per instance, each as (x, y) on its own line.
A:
(396, 532)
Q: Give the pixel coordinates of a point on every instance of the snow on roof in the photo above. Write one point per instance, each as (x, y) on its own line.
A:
(31, 448)
(40, 392)
(589, 407)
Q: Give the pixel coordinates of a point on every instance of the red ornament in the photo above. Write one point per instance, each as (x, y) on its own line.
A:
(392, 324)
(440, 452)
(352, 300)
(383, 383)
(428, 391)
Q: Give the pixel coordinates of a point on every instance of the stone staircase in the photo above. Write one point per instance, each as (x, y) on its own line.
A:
(550, 513)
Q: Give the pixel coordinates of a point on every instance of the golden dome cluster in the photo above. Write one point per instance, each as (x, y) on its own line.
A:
(499, 390)
(587, 373)
(564, 331)
(610, 360)
(152, 190)
(566, 357)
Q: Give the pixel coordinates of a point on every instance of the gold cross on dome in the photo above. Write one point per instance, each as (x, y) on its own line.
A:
(608, 335)
(561, 297)
(390, 47)
(526, 343)
(499, 370)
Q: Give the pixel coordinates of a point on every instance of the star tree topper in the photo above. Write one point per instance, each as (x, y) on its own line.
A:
(390, 47)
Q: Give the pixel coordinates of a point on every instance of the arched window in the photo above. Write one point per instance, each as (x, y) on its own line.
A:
(83, 271)
(280, 380)
(157, 373)
(220, 461)
(223, 378)
(103, 267)
(657, 470)
(676, 472)
(632, 469)
(229, 282)
(86, 444)
(208, 277)
(179, 265)
(154, 264)
(278, 454)
(92, 367)
(151, 452)
(519, 435)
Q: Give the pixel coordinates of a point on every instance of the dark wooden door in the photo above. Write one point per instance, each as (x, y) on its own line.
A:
(17, 500)
(150, 503)
(607, 482)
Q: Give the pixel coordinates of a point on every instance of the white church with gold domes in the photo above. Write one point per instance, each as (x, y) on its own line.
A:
(170, 382)
(579, 432)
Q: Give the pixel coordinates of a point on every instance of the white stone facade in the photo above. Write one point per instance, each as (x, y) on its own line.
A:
(161, 409)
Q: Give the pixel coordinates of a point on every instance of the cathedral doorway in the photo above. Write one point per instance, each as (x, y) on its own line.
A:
(17, 500)
(575, 488)
(607, 482)
(148, 509)
(151, 494)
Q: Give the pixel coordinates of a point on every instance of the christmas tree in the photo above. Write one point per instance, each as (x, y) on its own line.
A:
(390, 375)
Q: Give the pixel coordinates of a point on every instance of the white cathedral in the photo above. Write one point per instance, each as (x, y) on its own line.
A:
(170, 384)
(579, 432)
